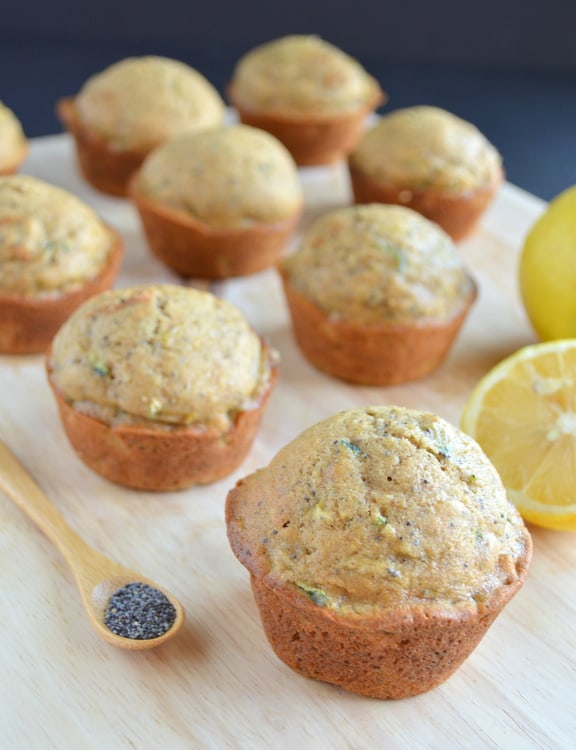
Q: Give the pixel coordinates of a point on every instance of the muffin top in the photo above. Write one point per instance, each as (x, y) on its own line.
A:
(303, 76)
(140, 101)
(226, 177)
(379, 264)
(427, 147)
(160, 355)
(50, 241)
(13, 142)
(380, 507)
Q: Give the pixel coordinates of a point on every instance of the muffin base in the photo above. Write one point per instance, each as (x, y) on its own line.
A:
(104, 167)
(160, 460)
(313, 141)
(379, 355)
(399, 655)
(457, 213)
(195, 250)
(28, 324)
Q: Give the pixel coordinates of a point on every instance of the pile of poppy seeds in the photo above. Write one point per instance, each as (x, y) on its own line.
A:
(139, 611)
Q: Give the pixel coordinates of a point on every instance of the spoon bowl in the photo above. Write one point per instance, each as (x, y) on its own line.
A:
(98, 578)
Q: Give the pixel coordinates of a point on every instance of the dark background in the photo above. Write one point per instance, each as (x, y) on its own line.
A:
(508, 66)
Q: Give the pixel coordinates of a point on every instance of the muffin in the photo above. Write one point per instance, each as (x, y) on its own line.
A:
(125, 111)
(219, 203)
(55, 252)
(377, 294)
(309, 94)
(160, 387)
(13, 142)
(381, 546)
(429, 160)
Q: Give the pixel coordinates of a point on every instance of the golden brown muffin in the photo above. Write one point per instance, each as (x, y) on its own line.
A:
(219, 203)
(308, 93)
(377, 294)
(13, 142)
(381, 546)
(429, 160)
(160, 387)
(125, 111)
(55, 252)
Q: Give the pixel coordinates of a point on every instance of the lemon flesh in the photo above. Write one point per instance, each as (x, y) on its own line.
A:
(547, 270)
(523, 415)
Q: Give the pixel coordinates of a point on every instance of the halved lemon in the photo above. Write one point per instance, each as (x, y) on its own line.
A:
(523, 415)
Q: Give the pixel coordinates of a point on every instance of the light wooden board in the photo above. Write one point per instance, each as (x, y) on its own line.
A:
(219, 685)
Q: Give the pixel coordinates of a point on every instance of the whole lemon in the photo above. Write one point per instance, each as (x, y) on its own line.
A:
(547, 269)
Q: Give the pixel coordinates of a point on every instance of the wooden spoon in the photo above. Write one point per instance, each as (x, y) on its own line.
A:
(97, 577)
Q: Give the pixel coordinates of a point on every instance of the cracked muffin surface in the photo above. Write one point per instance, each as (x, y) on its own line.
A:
(50, 241)
(159, 355)
(138, 102)
(429, 148)
(13, 142)
(303, 75)
(377, 264)
(226, 177)
(377, 507)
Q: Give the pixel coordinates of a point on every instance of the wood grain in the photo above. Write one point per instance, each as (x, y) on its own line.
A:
(218, 684)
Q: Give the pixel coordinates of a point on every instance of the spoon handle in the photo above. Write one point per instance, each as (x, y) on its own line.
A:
(23, 490)
(97, 577)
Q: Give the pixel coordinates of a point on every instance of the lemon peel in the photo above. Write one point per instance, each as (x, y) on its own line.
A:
(547, 269)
